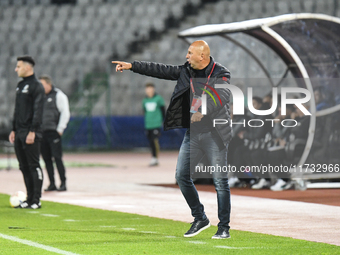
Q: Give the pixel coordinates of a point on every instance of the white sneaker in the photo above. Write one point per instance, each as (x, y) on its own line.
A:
(300, 184)
(261, 184)
(153, 162)
(289, 185)
(23, 205)
(35, 206)
(232, 181)
(278, 186)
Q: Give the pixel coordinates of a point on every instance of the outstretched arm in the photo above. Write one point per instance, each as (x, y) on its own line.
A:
(122, 66)
(157, 70)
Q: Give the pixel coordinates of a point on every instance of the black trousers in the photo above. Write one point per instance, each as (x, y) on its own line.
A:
(241, 158)
(28, 157)
(153, 135)
(277, 158)
(51, 147)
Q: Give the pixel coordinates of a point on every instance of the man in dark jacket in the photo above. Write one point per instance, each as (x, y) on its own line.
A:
(255, 153)
(202, 137)
(26, 133)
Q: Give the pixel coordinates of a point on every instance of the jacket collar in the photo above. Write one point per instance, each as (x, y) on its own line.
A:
(52, 89)
(29, 77)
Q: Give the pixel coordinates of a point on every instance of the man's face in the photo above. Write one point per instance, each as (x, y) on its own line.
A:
(317, 96)
(46, 86)
(22, 68)
(268, 100)
(256, 104)
(289, 111)
(193, 57)
(150, 91)
(279, 111)
(298, 111)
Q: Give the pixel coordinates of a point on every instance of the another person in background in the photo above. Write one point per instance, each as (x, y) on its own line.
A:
(55, 118)
(256, 153)
(322, 101)
(237, 148)
(276, 153)
(294, 143)
(27, 133)
(267, 101)
(154, 112)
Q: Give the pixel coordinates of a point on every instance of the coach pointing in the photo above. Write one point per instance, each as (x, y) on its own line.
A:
(201, 137)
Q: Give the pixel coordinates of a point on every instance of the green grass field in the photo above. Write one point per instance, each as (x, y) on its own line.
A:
(78, 230)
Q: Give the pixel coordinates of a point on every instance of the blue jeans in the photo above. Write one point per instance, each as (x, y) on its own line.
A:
(193, 147)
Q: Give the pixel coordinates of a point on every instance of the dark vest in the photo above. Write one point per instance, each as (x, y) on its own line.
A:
(51, 113)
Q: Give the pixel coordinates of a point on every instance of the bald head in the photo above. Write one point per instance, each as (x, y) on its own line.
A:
(198, 55)
(202, 47)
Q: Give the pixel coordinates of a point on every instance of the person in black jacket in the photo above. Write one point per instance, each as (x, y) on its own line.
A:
(256, 136)
(201, 137)
(26, 133)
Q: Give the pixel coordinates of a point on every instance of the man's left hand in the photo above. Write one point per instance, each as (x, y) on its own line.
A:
(30, 138)
(196, 117)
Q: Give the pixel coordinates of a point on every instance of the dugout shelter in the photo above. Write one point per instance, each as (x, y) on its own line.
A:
(309, 45)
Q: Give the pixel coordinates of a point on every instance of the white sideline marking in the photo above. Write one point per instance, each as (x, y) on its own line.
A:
(107, 226)
(236, 248)
(32, 212)
(170, 236)
(128, 228)
(148, 232)
(49, 215)
(70, 220)
(36, 245)
(197, 242)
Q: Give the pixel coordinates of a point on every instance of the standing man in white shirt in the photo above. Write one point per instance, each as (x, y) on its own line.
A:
(56, 115)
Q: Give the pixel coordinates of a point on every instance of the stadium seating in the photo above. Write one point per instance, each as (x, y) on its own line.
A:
(172, 50)
(70, 40)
